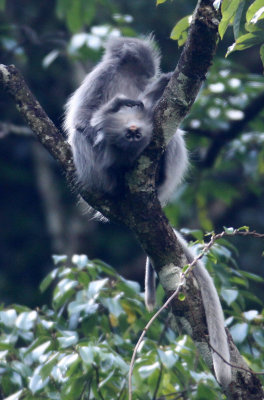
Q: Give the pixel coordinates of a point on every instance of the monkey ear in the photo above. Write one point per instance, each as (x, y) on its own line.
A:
(99, 138)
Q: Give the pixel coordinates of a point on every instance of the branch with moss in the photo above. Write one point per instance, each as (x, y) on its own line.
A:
(139, 208)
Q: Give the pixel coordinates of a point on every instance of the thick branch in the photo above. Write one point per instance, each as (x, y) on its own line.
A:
(140, 211)
(191, 70)
(36, 117)
(182, 89)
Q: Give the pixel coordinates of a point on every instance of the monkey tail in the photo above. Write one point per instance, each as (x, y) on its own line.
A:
(215, 323)
(214, 318)
(150, 286)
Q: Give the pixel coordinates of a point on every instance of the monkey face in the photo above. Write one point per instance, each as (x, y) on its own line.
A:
(125, 133)
(128, 132)
(129, 128)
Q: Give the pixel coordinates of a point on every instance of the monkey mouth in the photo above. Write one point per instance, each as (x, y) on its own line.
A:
(133, 134)
(127, 151)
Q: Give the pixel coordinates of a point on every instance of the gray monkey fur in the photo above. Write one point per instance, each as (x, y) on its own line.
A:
(118, 94)
(108, 121)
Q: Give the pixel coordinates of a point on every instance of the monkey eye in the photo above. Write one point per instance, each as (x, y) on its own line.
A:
(133, 133)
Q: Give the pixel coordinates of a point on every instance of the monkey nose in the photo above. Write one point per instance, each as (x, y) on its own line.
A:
(133, 133)
(133, 128)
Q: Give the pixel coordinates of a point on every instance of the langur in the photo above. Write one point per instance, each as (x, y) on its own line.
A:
(109, 122)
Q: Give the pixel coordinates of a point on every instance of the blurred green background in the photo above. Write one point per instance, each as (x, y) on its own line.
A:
(54, 44)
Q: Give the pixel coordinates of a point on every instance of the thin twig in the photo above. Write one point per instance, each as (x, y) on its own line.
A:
(222, 137)
(234, 365)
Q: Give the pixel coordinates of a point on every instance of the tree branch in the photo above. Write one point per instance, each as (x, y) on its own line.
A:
(224, 136)
(221, 137)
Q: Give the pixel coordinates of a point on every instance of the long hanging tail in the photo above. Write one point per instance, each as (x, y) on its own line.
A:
(214, 317)
(150, 286)
(213, 311)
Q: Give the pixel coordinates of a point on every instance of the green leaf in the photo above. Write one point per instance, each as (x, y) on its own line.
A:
(26, 320)
(48, 279)
(103, 267)
(239, 332)
(59, 259)
(243, 228)
(196, 233)
(179, 32)
(36, 382)
(8, 317)
(74, 16)
(113, 305)
(205, 392)
(250, 296)
(147, 370)
(184, 269)
(88, 11)
(229, 231)
(256, 27)
(251, 314)
(229, 9)
(69, 339)
(255, 11)
(67, 360)
(262, 57)
(229, 295)
(168, 358)
(40, 350)
(6, 346)
(160, 2)
(64, 286)
(95, 287)
(83, 278)
(76, 307)
(129, 287)
(236, 280)
(211, 256)
(87, 354)
(252, 277)
(246, 41)
(15, 396)
(48, 365)
(181, 296)
(80, 260)
(259, 337)
(237, 25)
(74, 388)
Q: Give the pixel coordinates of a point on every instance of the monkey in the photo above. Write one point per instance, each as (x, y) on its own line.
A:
(109, 123)
(109, 119)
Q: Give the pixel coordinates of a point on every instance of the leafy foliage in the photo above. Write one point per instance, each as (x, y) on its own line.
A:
(180, 30)
(80, 347)
(238, 168)
(77, 13)
(246, 17)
